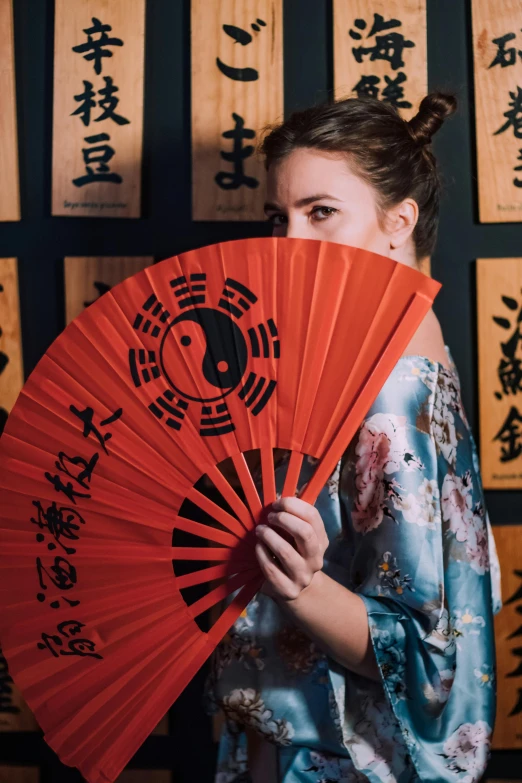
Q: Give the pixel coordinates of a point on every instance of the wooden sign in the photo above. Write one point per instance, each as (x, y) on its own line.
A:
(497, 43)
(15, 774)
(15, 715)
(144, 776)
(162, 729)
(237, 89)
(88, 278)
(11, 370)
(98, 107)
(380, 50)
(508, 635)
(9, 192)
(499, 308)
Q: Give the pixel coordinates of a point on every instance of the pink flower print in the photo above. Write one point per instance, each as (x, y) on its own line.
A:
(382, 449)
(456, 499)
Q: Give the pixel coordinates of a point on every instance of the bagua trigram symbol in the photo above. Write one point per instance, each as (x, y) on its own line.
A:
(222, 363)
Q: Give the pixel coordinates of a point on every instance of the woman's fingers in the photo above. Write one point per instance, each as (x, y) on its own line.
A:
(279, 581)
(302, 532)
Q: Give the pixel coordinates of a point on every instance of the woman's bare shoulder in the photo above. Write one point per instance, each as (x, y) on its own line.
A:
(428, 341)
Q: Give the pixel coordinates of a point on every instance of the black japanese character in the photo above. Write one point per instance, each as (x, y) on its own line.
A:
(367, 87)
(64, 578)
(388, 47)
(100, 155)
(510, 365)
(242, 37)
(504, 57)
(510, 434)
(93, 48)
(514, 115)
(67, 489)
(82, 477)
(108, 103)
(233, 180)
(101, 288)
(86, 416)
(81, 647)
(60, 522)
(394, 92)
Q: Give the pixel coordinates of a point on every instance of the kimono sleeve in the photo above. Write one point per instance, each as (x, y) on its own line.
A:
(412, 498)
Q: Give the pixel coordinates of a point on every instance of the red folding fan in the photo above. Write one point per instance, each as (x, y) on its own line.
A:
(235, 349)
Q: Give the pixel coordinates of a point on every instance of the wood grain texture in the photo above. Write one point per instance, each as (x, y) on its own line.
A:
(145, 776)
(498, 154)
(86, 278)
(72, 153)
(15, 715)
(216, 98)
(10, 191)
(15, 774)
(11, 368)
(499, 286)
(508, 631)
(378, 64)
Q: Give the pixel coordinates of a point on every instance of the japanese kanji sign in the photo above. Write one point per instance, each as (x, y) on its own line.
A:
(497, 57)
(9, 192)
(380, 51)
(86, 279)
(15, 715)
(237, 89)
(11, 372)
(98, 107)
(508, 639)
(499, 306)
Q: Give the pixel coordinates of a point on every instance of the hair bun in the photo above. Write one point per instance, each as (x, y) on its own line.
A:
(433, 110)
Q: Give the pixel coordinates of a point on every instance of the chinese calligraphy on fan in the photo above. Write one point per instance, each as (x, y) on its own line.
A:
(381, 40)
(60, 525)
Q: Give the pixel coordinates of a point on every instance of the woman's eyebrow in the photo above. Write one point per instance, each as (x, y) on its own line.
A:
(302, 202)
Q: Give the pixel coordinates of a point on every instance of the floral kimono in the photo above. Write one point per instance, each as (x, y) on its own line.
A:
(409, 532)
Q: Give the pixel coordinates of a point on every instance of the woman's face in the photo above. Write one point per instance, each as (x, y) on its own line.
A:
(313, 195)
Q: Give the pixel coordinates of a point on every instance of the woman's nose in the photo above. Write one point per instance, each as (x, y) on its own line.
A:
(299, 230)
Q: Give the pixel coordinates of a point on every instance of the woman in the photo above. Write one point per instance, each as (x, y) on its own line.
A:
(369, 654)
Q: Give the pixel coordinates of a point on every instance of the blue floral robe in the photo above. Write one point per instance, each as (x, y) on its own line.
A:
(408, 532)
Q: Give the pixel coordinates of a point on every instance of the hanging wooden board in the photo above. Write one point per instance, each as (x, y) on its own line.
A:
(499, 309)
(162, 729)
(14, 774)
(380, 50)
(497, 43)
(11, 369)
(145, 776)
(237, 89)
(508, 635)
(9, 192)
(88, 278)
(15, 715)
(98, 107)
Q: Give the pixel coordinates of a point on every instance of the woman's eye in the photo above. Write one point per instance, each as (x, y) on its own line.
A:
(277, 220)
(326, 212)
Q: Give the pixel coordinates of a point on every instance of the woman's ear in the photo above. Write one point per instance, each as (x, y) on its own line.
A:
(400, 222)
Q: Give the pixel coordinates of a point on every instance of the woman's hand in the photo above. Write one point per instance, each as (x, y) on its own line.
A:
(288, 568)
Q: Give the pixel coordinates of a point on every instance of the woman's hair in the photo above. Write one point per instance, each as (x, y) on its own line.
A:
(390, 154)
